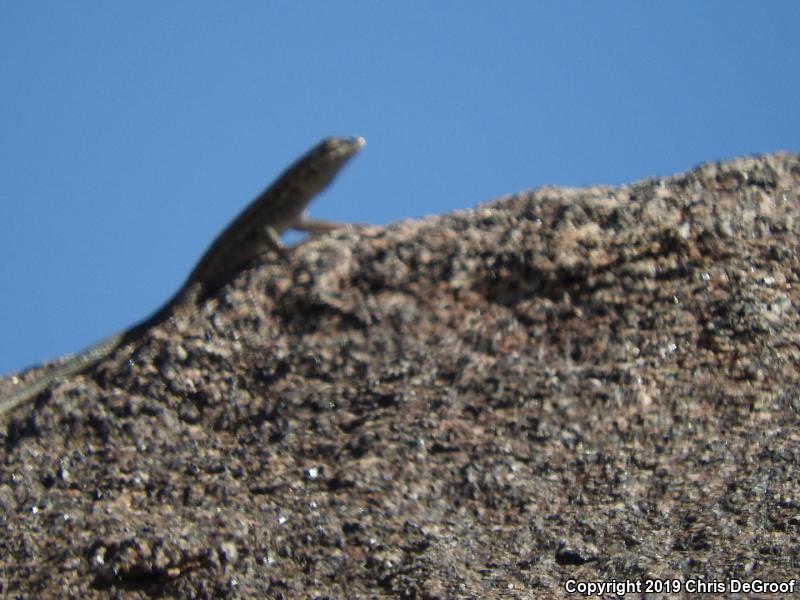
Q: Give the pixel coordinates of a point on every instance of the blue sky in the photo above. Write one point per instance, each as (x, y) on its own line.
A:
(131, 133)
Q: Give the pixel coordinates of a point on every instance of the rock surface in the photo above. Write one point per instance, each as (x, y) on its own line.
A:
(569, 384)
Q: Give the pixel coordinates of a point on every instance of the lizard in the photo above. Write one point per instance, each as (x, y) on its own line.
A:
(256, 230)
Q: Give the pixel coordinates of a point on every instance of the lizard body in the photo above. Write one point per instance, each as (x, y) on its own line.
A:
(257, 229)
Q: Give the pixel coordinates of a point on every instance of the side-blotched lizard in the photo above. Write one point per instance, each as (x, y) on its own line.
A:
(256, 230)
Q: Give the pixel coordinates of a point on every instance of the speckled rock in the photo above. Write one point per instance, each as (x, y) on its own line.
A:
(568, 384)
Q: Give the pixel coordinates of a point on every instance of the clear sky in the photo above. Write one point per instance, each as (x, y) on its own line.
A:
(131, 133)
